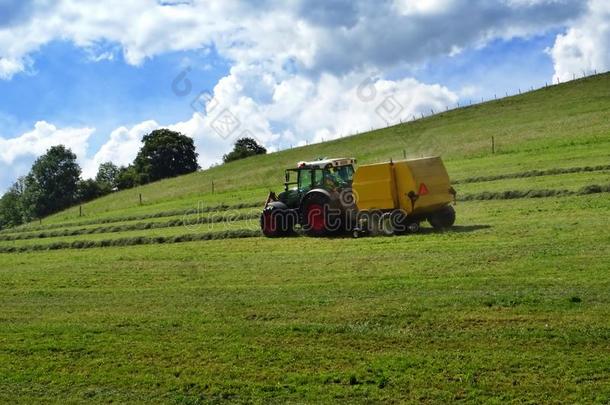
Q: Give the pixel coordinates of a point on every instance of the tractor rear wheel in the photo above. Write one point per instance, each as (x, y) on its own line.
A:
(443, 218)
(316, 216)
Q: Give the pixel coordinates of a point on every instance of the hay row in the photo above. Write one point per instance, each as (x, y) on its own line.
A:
(541, 193)
(133, 241)
(533, 173)
(131, 227)
(160, 214)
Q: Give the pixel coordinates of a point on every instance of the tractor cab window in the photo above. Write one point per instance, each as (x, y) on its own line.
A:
(318, 178)
(304, 179)
(342, 175)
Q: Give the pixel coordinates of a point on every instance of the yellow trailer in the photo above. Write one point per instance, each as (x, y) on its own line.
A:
(406, 191)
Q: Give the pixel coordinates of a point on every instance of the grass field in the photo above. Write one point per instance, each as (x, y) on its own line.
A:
(511, 305)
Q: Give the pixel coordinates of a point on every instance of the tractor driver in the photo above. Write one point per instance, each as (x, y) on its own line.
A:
(331, 180)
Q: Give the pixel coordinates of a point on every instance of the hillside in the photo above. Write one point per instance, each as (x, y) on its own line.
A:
(180, 300)
(571, 119)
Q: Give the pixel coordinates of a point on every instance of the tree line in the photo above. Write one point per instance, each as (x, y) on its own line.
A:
(54, 182)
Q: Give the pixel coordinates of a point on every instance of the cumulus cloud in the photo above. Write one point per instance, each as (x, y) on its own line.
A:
(584, 47)
(41, 138)
(337, 36)
(302, 71)
(120, 149)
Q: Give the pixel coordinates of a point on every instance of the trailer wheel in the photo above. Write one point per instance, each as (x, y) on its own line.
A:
(315, 216)
(443, 218)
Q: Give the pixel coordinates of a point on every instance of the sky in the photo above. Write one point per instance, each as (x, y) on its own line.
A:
(98, 75)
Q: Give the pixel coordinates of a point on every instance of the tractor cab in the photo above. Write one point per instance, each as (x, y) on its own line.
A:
(327, 174)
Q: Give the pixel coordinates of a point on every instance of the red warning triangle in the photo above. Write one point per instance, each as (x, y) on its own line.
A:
(423, 190)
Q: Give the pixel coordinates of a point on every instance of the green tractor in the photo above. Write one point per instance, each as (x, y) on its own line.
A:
(317, 196)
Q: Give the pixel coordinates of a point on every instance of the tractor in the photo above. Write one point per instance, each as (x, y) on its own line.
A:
(330, 196)
(317, 196)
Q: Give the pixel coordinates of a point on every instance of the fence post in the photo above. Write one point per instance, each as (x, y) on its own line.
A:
(212, 186)
(493, 145)
(80, 210)
(404, 153)
(140, 198)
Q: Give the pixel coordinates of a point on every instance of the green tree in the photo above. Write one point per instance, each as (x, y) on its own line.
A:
(107, 177)
(243, 148)
(165, 154)
(127, 178)
(52, 183)
(11, 207)
(89, 189)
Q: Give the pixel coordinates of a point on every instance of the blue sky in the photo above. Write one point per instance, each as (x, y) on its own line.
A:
(286, 74)
(69, 89)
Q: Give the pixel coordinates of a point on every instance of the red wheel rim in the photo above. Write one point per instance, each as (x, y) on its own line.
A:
(269, 223)
(315, 217)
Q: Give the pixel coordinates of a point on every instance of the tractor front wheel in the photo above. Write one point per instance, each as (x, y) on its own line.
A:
(276, 222)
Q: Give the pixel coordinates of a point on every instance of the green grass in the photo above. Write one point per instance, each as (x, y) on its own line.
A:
(511, 305)
(497, 310)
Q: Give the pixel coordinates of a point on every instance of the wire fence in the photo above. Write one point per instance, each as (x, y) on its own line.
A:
(424, 114)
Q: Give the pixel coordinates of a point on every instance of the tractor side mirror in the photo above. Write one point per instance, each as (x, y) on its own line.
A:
(287, 177)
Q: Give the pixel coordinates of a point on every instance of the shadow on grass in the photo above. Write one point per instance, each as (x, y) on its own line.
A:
(422, 231)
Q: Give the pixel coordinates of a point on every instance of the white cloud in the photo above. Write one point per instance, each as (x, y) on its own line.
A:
(120, 149)
(415, 7)
(281, 109)
(297, 67)
(41, 138)
(339, 36)
(585, 46)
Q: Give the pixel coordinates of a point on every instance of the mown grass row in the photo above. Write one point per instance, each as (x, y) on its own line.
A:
(133, 241)
(132, 227)
(242, 232)
(539, 193)
(160, 214)
(533, 173)
(485, 195)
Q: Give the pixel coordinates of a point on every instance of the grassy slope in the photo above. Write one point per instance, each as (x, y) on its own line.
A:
(483, 312)
(511, 305)
(535, 130)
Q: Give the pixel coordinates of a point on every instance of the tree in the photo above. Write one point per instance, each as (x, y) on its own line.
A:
(11, 207)
(89, 189)
(165, 154)
(52, 182)
(243, 148)
(127, 178)
(107, 177)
